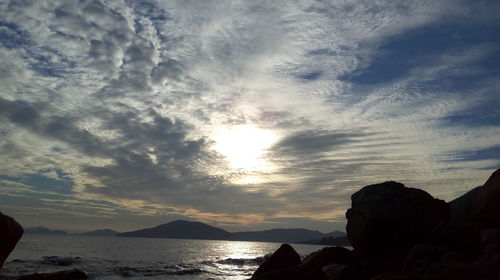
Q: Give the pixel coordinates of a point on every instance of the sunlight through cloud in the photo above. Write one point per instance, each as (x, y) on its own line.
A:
(245, 147)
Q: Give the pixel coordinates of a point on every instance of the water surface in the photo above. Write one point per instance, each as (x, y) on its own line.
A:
(109, 258)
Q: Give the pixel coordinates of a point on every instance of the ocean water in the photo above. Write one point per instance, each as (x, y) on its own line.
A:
(141, 258)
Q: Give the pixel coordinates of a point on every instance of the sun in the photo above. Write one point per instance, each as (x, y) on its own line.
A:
(245, 147)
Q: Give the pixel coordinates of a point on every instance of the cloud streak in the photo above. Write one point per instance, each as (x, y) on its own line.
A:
(124, 99)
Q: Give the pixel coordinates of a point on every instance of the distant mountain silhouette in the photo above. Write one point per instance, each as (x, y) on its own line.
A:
(101, 232)
(43, 230)
(181, 229)
(196, 230)
(279, 235)
(334, 240)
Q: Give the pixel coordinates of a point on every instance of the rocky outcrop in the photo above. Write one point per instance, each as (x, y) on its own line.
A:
(485, 211)
(285, 263)
(327, 256)
(388, 218)
(284, 257)
(10, 233)
(401, 233)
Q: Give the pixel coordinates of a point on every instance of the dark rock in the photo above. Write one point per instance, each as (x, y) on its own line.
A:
(10, 233)
(422, 257)
(461, 207)
(486, 207)
(284, 257)
(436, 261)
(459, 238)
(327, 256)
(367, 268)
(333, 271)
(400, 276)
(388, 219)
(297, 272)
(74, 274)
(311, 267)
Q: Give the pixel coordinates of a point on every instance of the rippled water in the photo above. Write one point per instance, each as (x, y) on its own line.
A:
(140, 258)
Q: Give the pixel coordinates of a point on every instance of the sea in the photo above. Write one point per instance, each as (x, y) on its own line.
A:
(110, 258)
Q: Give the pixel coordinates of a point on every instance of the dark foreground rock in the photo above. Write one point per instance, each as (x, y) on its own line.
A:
(400, 233)
(388, 218)
(74, 274)
(485, 211)
(10, 233)
(286, 264)
(284, 257)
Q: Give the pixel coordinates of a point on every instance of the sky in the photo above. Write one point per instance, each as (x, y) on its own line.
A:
(245, 115)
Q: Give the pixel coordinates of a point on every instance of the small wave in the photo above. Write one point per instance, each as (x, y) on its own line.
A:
(189, 271)
(126, 271)
(58, 260)
(244, 261)
(255, 261)
(21, 261)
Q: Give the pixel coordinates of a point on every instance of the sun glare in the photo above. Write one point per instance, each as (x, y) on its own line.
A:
(245, 147)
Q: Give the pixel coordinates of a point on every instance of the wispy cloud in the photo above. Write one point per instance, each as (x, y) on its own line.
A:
(123, 98)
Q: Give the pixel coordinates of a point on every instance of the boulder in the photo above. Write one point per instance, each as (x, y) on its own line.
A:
(368, 268)
(333, 271)
(387, 219)
(486, 206)
(74, 274)
(10, 233)
(459, 238)
(297, 272)
(327, 256)
(282, 258)
(461, 207)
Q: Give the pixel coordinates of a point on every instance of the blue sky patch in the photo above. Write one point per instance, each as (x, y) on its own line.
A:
(491, 153)
(63, 184)
(11, 37)
(489, 116)
(310, 76)
(421, 46)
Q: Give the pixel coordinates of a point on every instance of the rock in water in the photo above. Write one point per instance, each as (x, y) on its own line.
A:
(328, 256)
(10, 233)
(284, 257)
(389, 218)
(486, 207)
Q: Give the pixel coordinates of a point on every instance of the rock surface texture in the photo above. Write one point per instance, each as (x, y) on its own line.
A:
(10, 233)
(401, 233)
(284, 257)
(388, 218)
(486, 206)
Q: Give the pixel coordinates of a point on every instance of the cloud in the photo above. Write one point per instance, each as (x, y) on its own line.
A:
(124, 97)
(311, 142)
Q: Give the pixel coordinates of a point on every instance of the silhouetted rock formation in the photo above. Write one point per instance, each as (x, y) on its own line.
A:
(401, 233)
(285, 263)
(389, 218)
(485, 211)
(10, 233)
(284, 257)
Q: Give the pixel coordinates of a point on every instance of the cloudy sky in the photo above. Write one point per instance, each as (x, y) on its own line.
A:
(240, 114)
